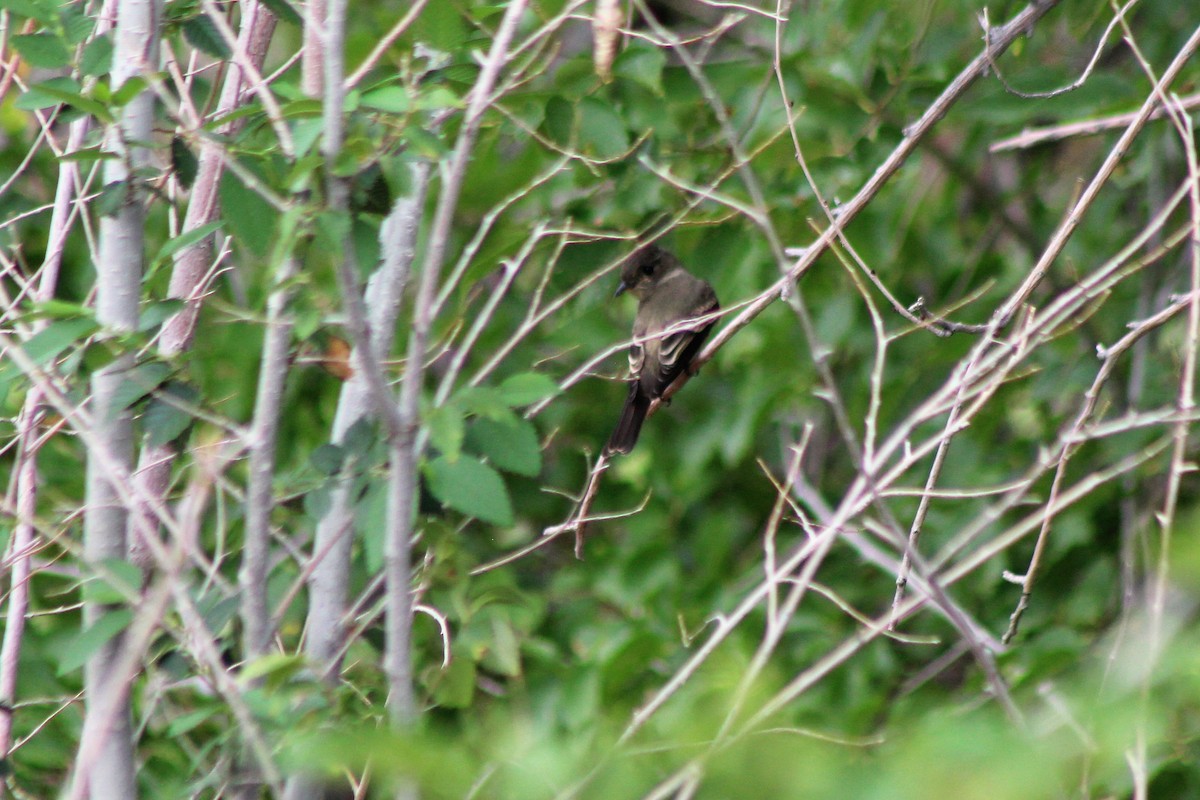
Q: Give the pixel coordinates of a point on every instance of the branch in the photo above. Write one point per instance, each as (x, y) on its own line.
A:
(405, 446)
(1033, 137)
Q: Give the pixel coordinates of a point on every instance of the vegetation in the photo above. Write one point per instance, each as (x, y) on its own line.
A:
(310, 354)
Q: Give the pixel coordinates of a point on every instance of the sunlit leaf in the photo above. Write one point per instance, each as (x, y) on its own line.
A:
(484, 401)
(280, 665)
(446, 429)
(526, 388)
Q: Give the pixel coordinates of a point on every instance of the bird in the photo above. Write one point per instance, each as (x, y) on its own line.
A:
(667, 295)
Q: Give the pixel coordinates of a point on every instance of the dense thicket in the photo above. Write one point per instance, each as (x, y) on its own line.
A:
(343, 447)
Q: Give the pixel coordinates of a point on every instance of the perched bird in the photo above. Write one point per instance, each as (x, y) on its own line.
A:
(667, 295)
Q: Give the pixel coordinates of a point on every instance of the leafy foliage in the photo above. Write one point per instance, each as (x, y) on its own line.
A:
(726, 632)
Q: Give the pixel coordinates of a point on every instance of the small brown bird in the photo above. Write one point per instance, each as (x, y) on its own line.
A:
(667, 295)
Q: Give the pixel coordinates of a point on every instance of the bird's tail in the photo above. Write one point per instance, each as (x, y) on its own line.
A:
(630, 425)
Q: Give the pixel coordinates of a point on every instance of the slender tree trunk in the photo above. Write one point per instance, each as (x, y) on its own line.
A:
(406, 448)
(192, 271)
(328, 583)
(252, 577)
(26, 472)
(118, 294)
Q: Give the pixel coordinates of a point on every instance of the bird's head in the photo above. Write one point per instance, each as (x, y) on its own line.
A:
(644, 268)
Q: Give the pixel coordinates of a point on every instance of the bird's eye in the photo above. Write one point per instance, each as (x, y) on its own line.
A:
(648, 268)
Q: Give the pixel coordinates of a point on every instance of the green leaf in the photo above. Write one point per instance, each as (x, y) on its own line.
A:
(47, 345)
(202, 34)
(156, 314)
(300, 107)
(526, 388)
(139, 382)
(512, 446)
(112, 197)
(285, 12)
(189, 721)
(559, 121)
(184, 241)
(484, 401)
(35, 99)
(455, 687)
(318, 501)
(470, 486)
(78, 650)
(248, 109)
(61, 90)
(275, 665)
(505, 650)
(392, 99)
(43, 11)
(327, 459)
(602, 133)
(61, 309)
(77, 26)
(86, 154)
(251, 219)
(446, 429)
(370, 518)
(217, 609)
(42, 50)
(399, 100)
(425, 144)
(441, 26)
(305, 135)
(119, 580)
(166, 416)
(437, 98)
(397, 171)
(333, 227)
(127, 91)
(643, 65)
(359, 437)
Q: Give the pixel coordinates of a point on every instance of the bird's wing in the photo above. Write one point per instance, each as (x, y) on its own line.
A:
(637, 358)
(670, 355)
(673, 345)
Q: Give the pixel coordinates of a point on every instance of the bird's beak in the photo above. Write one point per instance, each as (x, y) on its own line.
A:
(621, 287)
